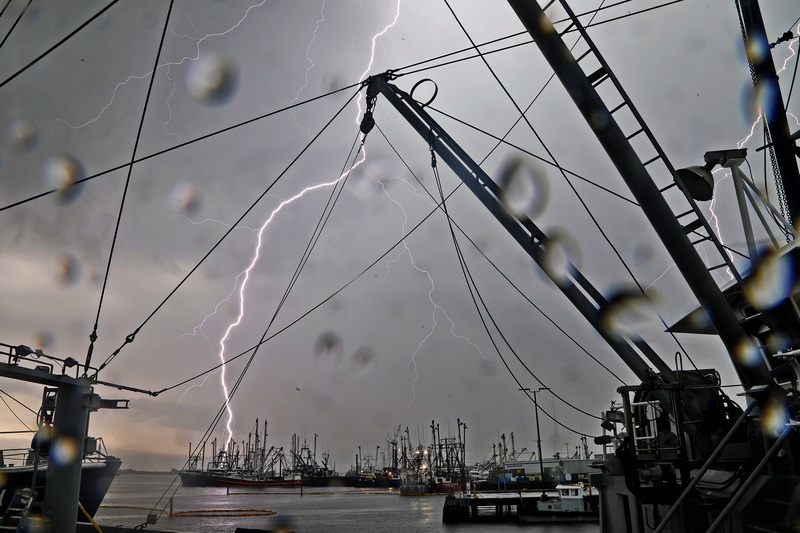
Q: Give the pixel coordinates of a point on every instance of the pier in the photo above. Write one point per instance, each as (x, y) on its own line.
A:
(520, 506)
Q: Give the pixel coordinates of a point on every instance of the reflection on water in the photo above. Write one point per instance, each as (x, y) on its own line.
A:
(328, 510)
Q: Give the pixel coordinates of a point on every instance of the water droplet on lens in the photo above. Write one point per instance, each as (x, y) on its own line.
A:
(64, 450)
(69, 269)
(363, 360)
(562, 255)
(44, 340)
(185, 199)
(774, 417)
(524, 188)
(747, 353)
(773, 280)
(63, 172)
(213, 79)
(328, 349)
(24, 135)
(627, 314)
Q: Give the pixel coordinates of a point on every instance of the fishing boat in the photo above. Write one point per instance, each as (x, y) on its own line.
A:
(61, 457)
(570, 503)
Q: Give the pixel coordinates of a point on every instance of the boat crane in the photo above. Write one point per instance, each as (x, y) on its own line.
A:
(681, 429)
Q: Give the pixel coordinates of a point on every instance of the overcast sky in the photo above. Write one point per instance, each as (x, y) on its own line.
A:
(403, 344)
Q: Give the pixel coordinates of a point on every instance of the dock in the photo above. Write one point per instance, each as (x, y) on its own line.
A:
(518, 506)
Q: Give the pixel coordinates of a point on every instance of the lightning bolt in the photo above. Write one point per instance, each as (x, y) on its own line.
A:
(169, 65)
(311, 63)
(244, 276)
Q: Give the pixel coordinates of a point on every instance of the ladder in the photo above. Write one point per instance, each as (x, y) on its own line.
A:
(650, 153)
(16, 516)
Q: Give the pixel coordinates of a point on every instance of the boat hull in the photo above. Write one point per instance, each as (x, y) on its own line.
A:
(198, 479)
(96, 478)
(225, 481)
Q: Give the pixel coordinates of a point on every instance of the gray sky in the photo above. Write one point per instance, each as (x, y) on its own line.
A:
(409, 347)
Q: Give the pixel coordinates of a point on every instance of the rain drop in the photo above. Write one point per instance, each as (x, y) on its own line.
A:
(524, 188)
(24, 135)
(561, 256)
(363, 360)
(44, 340)
(627, 313)
(63, 173)
(773, 280)
(328, 349)
(185, 199)
(69, 269)
(213, 79)
(64, 450)
(774, 417)
(747, 353)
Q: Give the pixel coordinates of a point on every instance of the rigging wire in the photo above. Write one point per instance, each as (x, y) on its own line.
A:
(498, 269)
(93, 335)
(240, 124)
(19, 402)
(59, 43)
(4, 7)
(15, 414)
(473, 290)
(24, 9)
(502, 140)
(131, 336)
(509, 47)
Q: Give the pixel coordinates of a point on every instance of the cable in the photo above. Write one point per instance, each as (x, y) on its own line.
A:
(473, 290)
(24, 9)
(19, 402)
(526, 42)
(501, 140)
(59, 43)
(12, 411)
(131, 336)
(574, 190)
(4, 7)
(182, 145)
(224, 130)
(93, 335)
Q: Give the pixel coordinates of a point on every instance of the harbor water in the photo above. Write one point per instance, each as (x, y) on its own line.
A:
(330, 510)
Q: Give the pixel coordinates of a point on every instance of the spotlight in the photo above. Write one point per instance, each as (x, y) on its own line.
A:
(698, 181)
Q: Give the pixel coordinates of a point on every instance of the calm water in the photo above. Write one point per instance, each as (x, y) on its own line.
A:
(319, 509)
